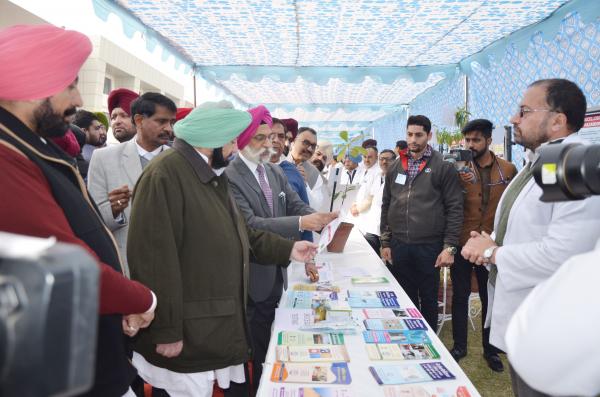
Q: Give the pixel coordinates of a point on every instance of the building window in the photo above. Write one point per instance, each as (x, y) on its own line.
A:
(107, 86)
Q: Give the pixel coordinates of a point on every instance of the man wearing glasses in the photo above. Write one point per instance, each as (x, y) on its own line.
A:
(483, 185)
(532, 239)
(301, 152)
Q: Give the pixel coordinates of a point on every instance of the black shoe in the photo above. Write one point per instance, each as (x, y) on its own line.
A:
(457, 353)
(494, 362)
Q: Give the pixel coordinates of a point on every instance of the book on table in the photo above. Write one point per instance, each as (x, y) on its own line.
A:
(409, 312)
(291, 391)
(404, 336)
(309, 354)
(394, 324)
(426, 390)
(372, 299)
(322, 373)
(296, 338)
(402, 351)
(410, 373)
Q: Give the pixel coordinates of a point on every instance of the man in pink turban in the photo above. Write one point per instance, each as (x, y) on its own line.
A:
(268, 202)
(119, 108)
(43, 194)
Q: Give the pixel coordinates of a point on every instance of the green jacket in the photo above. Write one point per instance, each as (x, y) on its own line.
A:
(189, 244)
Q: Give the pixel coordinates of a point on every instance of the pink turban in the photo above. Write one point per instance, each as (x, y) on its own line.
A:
(121, 98)
(259, 115)
(39, 61)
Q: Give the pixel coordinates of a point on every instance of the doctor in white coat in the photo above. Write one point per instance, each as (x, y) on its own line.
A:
(531, 238)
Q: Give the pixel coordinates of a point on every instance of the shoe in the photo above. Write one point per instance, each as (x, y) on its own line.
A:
(494, 362)
(457, 353)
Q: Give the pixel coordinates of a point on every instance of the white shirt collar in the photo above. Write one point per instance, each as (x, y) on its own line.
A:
(219, 171)
(143, 152)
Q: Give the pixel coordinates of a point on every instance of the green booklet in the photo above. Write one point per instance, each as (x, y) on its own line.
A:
(369, 280)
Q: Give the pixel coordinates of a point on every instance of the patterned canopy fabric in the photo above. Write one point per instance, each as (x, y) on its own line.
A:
(298, 54)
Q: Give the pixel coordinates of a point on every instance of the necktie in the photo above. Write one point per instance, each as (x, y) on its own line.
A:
(262, 181)
(512, 192)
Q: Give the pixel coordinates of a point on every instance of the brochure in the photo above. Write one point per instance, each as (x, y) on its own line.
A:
(410, 351)
(375, 299)
(409, 312)
(425, 391)
(324, 373)
(310, 299)
(368, 280)
(406, 336)
(307, 354)
(291, 338)
(410, 373)
(287, 391)
(384, 324)
(415, 324)
(318, 286)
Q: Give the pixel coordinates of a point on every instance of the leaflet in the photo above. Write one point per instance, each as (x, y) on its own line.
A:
(368, 280)
(310, 299)
(410, 351)
(287, 391)
(425, 391)
(291, 338)
(375, 299)
(384, 324)
(410, 373)
(318, 286)
(406, 336)
(323, 373)
(307, 354)
(409, 312)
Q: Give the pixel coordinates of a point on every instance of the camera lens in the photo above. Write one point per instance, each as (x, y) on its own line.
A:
(568, 171)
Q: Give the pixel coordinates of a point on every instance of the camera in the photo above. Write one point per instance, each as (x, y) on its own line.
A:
(460, 158)
(48, 317)
(568, 171)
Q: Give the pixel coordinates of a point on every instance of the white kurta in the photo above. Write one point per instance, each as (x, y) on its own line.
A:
(196, 384)
(367, 178)
(539, 238)
(553, 338)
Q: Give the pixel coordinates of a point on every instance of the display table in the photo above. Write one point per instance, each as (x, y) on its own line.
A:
(358, 254)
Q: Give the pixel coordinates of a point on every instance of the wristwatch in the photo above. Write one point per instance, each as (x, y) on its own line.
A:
(488, 253)
(451, 249)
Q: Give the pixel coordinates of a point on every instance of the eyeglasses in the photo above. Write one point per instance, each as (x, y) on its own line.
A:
(263, 138)
(524, 110)
(386, 159)
(307, 144)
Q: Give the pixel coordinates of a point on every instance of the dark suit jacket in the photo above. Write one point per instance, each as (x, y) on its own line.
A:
(287, 208)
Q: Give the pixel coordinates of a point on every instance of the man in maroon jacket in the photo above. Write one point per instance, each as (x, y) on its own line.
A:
(43, 195)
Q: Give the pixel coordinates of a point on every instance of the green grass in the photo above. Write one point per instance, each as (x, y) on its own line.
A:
(486, 381)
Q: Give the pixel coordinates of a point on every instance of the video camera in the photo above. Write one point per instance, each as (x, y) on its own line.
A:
(460, 158)
(48, 317)
(568, 172)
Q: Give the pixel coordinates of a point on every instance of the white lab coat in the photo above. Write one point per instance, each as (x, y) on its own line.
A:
(539, 238)
(553, 338)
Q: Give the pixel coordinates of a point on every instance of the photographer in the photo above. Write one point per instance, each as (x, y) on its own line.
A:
(483, 182)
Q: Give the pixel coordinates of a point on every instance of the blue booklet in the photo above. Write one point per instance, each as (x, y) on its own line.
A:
(372, 299)
(403, 337)
(415, 324)
(410, 373)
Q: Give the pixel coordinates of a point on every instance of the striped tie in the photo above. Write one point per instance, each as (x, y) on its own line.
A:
(265, 186)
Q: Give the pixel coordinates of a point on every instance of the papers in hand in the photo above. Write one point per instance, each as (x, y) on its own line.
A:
(327, 234)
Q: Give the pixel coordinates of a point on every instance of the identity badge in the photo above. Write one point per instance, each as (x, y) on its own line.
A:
(401, 179)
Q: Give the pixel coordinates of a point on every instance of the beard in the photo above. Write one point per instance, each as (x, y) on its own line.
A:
(477, 154)
(218, 160)
(49, 123)
(259, 156)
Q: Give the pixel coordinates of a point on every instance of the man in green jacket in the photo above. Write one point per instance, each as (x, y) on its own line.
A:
(189, 243)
